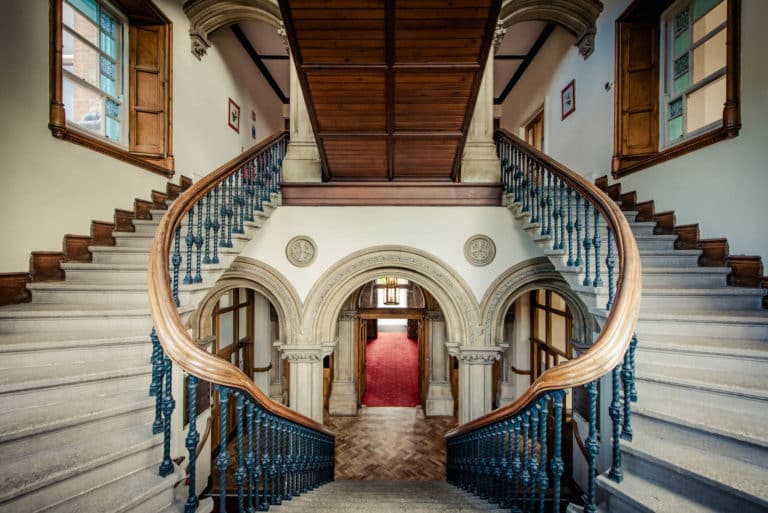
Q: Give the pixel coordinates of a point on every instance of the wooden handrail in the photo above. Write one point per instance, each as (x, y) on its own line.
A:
(178, 344)
(609, 348)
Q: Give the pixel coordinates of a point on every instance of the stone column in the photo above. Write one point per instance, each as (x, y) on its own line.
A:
(302, 159)
(439, 398)
(516, 370)
(475, 379)
(262, 342)
(343, 399)
(480, 163)
(305, 394)
(276, 374)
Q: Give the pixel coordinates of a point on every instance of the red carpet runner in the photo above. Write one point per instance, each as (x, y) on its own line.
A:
(392, 371)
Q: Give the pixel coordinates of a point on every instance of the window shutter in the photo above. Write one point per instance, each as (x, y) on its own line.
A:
(639, 88)
(148, 91)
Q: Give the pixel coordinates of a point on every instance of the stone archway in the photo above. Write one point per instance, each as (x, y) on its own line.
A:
(576, 16)
(464, 332)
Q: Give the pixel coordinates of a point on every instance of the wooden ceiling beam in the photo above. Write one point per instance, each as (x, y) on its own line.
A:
(545, 33)
(256, 58)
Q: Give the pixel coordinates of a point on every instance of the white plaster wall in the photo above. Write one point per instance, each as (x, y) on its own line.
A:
(52, 187)
(722, 187)
(441, 231)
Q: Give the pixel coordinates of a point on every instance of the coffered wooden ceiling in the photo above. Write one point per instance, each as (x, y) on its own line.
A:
(390, 84)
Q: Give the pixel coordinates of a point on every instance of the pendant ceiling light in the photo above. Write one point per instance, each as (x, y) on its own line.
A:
(390, 292)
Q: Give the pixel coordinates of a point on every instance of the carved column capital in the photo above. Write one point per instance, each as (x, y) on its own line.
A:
(304, 353)
(435, 315)
(348, 315)
(475, 355)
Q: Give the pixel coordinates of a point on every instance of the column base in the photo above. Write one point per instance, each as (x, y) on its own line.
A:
(277, 391)
(480, 164)
(343, 399)
(301, 163)
(439, 400)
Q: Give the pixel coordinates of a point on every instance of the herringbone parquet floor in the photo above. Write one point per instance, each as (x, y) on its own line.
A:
(390, 443)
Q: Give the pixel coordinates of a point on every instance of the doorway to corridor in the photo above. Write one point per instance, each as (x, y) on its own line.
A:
(392, 366)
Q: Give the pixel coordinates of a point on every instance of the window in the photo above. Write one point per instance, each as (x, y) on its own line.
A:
(676, 79)
(552, 331)
(110, 79)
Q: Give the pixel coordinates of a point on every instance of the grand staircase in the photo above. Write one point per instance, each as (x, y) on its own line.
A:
(75, 414)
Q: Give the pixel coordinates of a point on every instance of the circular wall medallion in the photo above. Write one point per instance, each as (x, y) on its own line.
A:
(301, 251)
(479, 250)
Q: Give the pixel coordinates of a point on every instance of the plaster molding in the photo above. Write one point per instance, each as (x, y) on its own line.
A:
(479, 250)
(519, 279)
(207, 16)
(327, 297)
(578, 17)
(301, 251)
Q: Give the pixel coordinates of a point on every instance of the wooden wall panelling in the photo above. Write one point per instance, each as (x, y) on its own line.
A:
(76, 248)
(747, 271)
(392, 193)
(172, 190)
(13, 288)
(141, 208)
(124, 220)
(45, 266)
(158, 200)
(357, 158)
(101, 233)
(665, 222)
(422, 157)
(185, 183)
(714, 252)
(687, 236)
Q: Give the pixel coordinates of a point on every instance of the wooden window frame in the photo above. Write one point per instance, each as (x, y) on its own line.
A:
(625, 160)
(140, 14)
(539, 345)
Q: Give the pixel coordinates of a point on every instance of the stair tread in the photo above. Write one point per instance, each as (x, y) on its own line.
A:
(22, 475)
(708, 418)
(12, 342)
(73, 309)
(652, 497)
(734, 316)
(728, 382)
(122, 494)
(712, 345)
(28, 421)
(23, 378)
(719, 470)
(692, 270)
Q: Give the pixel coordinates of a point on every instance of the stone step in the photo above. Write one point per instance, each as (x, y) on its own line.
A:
(204, 506)
(87, 272)
(684, 299)
(148, 226)
(716, 480)
(74, 317)
(682, 277)
(17, 351)
(27, 421)
(143, 491)
(722, 324)
(753, 383)
(106, 255)
(670, 258)
(721, 433)
(68, 467)
(128, 294)
(637, 495)
(36, 386)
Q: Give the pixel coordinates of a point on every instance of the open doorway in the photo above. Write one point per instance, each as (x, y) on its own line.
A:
(392, 365)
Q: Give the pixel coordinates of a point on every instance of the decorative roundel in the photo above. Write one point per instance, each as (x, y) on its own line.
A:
(479, 250)
(301, 251)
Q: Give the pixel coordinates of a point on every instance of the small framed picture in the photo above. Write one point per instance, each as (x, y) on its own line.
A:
(233, 116)
(568, 99)
(253, 115)
(253, 132)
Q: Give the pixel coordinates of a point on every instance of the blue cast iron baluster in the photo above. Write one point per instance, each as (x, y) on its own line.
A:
(632, 352)
(257, 465)
(548, 203)
(577, 225)
(215, 225)
(556, 214)
(265, 461)
(250, 457)
(199, 243)
(279, 460)
(273, 488)
(223, 214)
(193, 438)
(241, 198)
(166, 466)
(610, 264)
(562, 215)
(240, 470)
(251, 195)
(556, 465)
(626, 377)
(285, 431)
(587, 244)
(517, 177)
(535, 412)
(615, 412)
(525, 177)
(597, 243)
(543, 480)
(500, 463)
(526, 475)
(176, 263)
(222, 461)
(190, 240)
(230, 211)
(516, 467)
(208, 226)
(593, 446)
(236, 202)
(504, 466)
(156, 386)
(534, 193)
(542, 185)
(569, 228)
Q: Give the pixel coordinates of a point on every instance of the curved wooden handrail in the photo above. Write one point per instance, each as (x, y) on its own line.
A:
(178, 344)
(609, 348)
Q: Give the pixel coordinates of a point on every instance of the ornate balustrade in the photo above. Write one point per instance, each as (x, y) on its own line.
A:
(279, 453)
(513, 456)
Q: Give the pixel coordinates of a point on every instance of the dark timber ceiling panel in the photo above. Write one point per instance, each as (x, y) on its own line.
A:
(390, 84)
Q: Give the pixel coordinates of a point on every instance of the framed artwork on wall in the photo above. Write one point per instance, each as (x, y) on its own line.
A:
(568, 99)
(233, 116)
